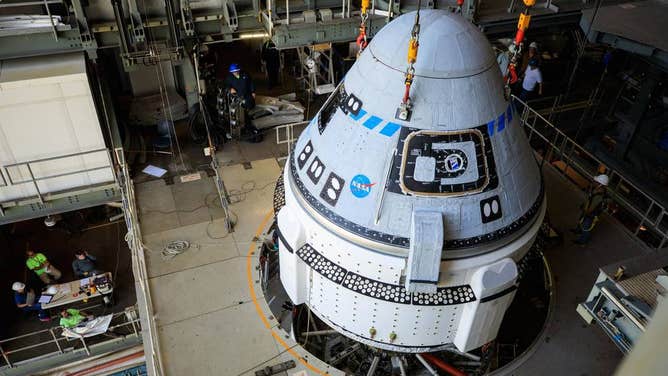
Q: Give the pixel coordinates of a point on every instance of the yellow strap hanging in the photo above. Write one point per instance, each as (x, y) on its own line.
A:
(365, 5)
(523, 22)
(412, 50)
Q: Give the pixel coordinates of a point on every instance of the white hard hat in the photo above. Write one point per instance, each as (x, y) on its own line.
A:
(18, 286)
(51, 290)
(50, 221)
(602, 179)
(533, 45)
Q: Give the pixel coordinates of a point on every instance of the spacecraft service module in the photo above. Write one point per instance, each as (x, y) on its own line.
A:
(405, 235)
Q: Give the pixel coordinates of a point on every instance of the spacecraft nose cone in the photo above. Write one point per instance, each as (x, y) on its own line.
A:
(450, 46)
(458, 84)
(461, 152)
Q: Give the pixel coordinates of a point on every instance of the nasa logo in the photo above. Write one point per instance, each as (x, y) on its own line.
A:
(454, 163)
(360, 186)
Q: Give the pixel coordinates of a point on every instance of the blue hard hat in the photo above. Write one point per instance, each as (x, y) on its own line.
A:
(234, 68)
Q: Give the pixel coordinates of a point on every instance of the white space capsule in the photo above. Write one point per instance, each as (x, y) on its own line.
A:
(405, 235)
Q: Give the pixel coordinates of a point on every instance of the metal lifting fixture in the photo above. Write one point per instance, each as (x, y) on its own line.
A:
(404, 110)
(516, 47)
(362, 38)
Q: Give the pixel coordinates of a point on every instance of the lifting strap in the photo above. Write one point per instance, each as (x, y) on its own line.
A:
(516, 46)
(362, 38)
(413, 44)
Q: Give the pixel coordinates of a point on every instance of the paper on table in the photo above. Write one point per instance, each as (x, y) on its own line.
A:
(44, 299)
(154, 171)
(85, 282)
(65, 288)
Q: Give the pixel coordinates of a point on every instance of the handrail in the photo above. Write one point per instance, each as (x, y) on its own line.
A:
(135, 243)
(289, 135)
(55, 340)
(10, 180)
(564, 148)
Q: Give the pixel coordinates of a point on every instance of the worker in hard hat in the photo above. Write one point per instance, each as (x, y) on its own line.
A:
(240, 83)
(592, 208)
(25, 300)
(531, 53)
(532, 78)
(39, 264)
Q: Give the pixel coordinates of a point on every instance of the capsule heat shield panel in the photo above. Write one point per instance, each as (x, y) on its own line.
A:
(451, 295)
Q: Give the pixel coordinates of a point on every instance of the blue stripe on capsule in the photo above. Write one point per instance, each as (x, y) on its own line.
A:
(490, 128)
(390, 129)
(359, 115)
(372, 122)
(501, 123)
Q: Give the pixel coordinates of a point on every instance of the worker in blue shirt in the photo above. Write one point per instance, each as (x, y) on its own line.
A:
(84, 264)
(240, 83)
(532, 78)
(22, 301)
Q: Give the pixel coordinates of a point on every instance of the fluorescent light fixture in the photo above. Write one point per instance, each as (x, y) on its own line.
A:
(253, 35)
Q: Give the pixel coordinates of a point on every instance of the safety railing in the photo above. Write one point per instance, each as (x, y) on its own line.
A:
(285, 135)
(51, 342)
(644, 216)
(136, 245)
(549, 106)
(12, 174)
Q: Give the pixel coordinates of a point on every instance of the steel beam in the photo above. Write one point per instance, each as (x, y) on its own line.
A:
(136, 23)
(338, 30)
(64, 203)
(87, 40)
(36, 44)
(187, 18)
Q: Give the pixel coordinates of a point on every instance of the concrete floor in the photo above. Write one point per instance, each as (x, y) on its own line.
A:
(204, 298)
(207, 320)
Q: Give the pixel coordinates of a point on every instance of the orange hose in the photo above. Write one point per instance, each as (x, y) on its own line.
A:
(443, 366)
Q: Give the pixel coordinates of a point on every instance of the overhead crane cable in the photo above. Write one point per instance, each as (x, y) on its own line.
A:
(150, 42)
(581, 49)
(164, 96)
(164, 112)
(163, 84)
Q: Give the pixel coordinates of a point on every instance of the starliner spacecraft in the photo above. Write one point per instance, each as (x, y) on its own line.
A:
(403, 231)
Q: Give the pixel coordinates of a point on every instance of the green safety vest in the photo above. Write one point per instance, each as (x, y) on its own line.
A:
(72, 320)
(35, 261)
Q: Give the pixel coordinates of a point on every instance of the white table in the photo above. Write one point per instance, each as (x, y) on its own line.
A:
(68, 293)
